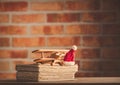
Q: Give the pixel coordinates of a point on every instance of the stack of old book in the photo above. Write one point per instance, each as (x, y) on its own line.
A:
(45, 72)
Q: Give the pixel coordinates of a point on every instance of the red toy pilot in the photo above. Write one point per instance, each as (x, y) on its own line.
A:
(70, 55)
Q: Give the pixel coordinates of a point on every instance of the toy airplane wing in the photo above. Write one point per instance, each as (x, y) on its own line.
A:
(50, 50)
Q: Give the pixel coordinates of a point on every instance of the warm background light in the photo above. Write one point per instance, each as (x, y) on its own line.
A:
(92, 25)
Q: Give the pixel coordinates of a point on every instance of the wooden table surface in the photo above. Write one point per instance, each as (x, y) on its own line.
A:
(80, 81)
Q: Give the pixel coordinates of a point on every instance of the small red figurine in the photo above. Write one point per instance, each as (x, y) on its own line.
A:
(70, 55)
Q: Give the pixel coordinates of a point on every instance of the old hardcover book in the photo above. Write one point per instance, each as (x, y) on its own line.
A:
(38, 72)
(45, 67)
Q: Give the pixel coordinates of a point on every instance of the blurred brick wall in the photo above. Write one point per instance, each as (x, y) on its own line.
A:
(92, 25)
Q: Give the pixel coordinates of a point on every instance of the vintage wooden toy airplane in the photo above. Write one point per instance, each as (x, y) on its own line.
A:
(56, 56)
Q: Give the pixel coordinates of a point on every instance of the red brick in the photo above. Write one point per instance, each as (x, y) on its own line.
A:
(5, 54)
(90, 65)
(4, 42)
(4, 18)
(111, 5)
(99, 17)
(13, 54)
(28, 42)
(110, 66)
(111, 53)
(83, 29)
(19, 54)
(87, 74)
(4, 66)
(111, 29)
(63, 17)
(28, 18)
(63, 41)
(83, 5)
(14, 63)
(110, 41)
(92, 41)
(77, 54)
(8, 76)
(12, 30)
(13, 6)
(22, 62)
(47, 29)
(89, 53)
(46, 6)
